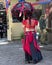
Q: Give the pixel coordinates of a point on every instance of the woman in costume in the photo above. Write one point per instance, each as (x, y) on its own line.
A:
(30, 46)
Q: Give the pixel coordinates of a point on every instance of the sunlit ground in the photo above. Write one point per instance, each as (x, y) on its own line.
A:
(3, 43)
(41, 46)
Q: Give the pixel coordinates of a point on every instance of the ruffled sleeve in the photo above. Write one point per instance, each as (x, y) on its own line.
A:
(23, 23)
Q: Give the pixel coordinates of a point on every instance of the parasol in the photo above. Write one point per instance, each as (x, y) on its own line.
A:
(20, 8)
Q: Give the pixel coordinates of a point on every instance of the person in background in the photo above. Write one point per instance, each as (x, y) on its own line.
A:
(49, 20)
(42, 24)
(1, 28)
(30, 46)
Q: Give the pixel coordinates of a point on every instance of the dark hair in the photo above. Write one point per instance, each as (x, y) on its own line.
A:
(28, 15)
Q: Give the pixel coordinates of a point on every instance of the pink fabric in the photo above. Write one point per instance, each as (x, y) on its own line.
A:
(27, 25)
(26, 46)
(29, 39)
(23, 43)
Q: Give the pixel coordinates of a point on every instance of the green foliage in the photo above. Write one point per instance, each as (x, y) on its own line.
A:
(22, 35)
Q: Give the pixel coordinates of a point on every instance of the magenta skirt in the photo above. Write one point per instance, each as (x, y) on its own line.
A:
(27, 40)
